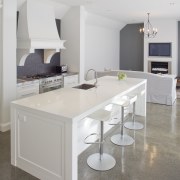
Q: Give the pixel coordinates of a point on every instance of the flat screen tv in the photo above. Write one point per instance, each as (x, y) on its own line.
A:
(160, 49)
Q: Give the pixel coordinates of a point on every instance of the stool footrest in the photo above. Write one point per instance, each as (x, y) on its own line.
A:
(111, 122)
(90, 142)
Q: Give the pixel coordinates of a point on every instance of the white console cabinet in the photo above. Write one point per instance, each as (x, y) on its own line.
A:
(71, 80)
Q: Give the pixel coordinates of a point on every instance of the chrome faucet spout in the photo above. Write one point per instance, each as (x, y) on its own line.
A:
(95, 74)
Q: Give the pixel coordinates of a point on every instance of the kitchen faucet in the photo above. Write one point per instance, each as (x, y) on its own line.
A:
(95, 74)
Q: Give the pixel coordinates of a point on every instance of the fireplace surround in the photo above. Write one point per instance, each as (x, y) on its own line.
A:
(159, 67)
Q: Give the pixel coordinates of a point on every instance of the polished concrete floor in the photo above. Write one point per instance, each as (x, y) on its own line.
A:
(155, 155)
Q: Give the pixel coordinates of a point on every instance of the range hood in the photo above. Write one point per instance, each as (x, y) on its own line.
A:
(37, 30)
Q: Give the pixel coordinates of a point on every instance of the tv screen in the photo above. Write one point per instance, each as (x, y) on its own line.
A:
(160, 49)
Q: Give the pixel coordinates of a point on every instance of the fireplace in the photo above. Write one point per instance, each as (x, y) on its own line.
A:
(159, 67)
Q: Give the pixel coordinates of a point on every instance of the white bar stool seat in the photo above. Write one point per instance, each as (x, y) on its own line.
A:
(100, 161)
(132, 124)
(122, 139)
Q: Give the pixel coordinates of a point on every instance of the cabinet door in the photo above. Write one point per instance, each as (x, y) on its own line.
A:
(70, 81)
(40, 144)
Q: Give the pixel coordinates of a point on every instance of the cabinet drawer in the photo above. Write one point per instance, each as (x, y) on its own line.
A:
(70, 81)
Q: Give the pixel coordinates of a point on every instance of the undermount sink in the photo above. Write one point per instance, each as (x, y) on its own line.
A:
(84, 86)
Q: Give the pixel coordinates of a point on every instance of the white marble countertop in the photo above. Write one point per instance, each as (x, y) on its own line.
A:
(76, 103)
(69, 74)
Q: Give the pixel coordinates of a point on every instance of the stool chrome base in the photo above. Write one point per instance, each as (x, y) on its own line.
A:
(133, 125)
(122, 140)
(105, 163)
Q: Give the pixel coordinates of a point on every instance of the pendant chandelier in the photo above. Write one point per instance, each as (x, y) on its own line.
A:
(148, 30)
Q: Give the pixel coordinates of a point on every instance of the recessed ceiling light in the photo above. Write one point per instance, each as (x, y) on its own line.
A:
(172, 3)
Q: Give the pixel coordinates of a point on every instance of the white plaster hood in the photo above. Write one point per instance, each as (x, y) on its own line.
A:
(37, 30)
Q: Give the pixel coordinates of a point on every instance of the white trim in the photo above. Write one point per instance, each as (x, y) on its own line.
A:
(4, 127)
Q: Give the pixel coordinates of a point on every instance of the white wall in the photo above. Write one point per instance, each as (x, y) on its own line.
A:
(92, 41)
(83, 16)
(167, 32)
(8, 62)
(72, 30)
(102, 43)
(102, 48)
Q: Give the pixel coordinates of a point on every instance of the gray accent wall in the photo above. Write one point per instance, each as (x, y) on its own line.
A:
(179, 49)
(131, 48)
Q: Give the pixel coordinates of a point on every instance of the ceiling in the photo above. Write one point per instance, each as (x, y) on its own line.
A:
(130, 11)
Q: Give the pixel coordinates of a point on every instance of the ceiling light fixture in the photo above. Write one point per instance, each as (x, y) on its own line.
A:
(148, 30)
(171, 3)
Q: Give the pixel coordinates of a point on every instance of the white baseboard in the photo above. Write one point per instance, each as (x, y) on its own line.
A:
(4, 127)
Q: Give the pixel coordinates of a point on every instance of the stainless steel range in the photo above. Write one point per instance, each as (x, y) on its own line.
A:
(50, 83)
(47, 82)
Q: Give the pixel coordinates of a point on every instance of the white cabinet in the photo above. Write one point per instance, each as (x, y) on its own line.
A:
(71, 80)
(49, 162)
(27, 88)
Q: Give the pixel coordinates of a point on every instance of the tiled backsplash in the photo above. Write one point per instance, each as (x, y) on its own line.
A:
(35, 65)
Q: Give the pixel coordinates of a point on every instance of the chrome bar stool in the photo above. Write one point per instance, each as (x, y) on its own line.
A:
(122, 139)
(100, 161)
(132, 124)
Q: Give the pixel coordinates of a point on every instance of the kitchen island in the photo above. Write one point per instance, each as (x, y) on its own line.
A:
(47, 130)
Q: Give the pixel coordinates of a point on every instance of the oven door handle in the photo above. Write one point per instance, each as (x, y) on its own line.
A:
(57, 85)
(29, 94)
